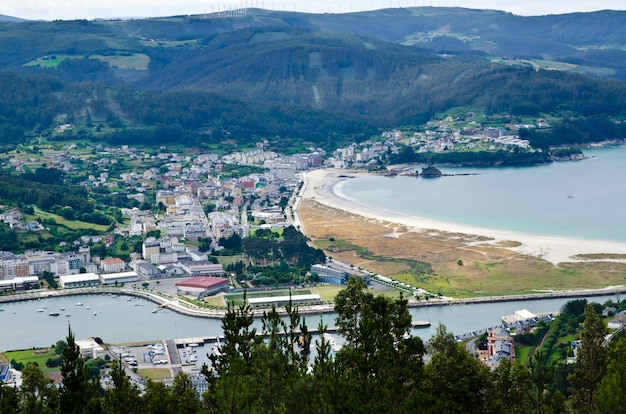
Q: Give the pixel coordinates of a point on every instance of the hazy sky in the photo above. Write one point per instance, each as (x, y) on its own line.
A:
(91, 9)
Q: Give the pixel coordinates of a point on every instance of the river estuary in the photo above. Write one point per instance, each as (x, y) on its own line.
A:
(545, 199)
(119, 319)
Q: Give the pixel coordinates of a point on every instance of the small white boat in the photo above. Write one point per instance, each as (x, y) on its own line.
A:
(332, 342)
(79, 304)
(87, 307)
(95, 313)
(217, 348)
(40, 310)
(68, 314)
(62, 308)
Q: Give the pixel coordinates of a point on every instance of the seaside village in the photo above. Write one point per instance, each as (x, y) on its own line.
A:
(183, 185)
(186, 183)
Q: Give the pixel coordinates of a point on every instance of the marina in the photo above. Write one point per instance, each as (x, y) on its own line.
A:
(120, 321)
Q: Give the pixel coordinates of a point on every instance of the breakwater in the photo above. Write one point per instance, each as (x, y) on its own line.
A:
(188, 308)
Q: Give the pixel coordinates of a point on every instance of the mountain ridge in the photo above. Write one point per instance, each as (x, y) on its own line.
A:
(298, 71)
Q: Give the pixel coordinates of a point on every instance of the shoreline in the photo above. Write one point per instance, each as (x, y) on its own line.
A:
(177, 307)
(324, 186)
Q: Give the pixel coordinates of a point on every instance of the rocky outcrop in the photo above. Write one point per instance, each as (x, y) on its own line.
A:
(431, 172)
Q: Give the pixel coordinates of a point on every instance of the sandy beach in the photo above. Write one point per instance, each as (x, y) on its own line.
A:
(324, 186)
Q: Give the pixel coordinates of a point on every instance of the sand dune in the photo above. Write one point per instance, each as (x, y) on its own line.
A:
(324, 186)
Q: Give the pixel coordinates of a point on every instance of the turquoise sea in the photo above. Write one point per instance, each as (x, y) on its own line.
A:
(583, 199)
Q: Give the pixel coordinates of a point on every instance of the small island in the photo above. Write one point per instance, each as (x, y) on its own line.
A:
(430, 172)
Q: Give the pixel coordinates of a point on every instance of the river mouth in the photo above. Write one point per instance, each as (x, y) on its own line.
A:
(120, 321)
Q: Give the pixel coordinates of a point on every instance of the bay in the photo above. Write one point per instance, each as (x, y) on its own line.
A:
(582, 199)
(528, 199)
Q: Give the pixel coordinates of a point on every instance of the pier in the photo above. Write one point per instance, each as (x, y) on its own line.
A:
(181, 342)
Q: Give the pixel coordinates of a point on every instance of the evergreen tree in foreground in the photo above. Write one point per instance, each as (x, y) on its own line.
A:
(590, 365)
(380, 369)
(78, 391)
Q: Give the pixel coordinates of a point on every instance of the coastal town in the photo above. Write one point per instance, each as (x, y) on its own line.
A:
(406, 209)
(191, 200)
(173, 212)
(178, 211)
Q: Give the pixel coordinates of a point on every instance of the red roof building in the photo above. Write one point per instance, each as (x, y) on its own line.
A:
(201, 286)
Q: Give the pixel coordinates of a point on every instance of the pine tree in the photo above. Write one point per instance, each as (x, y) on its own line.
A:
(457, 381)
(186, 399)
(380, 366)
(78, 392)
(590, 363)
(611, 396)
(232, 364)
(124, 396)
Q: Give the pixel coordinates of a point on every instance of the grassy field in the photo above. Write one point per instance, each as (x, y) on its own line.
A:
(118, 247)
(167, 43)
(26, 356)
(47, 62)
(217, 300)
(70, 224)
(135, 61)
(238, 297)
(155, 374)
(463, 265)
(327, 292)
(226, 260)
(522, 353)
(536, 63)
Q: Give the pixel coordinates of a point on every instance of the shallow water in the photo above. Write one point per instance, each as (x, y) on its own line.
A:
(582, 199)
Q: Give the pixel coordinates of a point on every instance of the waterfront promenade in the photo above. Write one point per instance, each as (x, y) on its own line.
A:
(186, 307)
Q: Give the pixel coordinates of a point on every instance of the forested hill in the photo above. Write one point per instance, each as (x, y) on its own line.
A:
(318, 78)
(4, 18)
(589, 42)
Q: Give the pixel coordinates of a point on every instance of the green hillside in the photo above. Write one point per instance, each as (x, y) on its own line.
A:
(298, 78)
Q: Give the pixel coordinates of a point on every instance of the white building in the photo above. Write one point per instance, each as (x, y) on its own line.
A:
(311, 299)
(518, 316)
(119, 278)
(79, 280)
(204, 268)
(89, 348)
